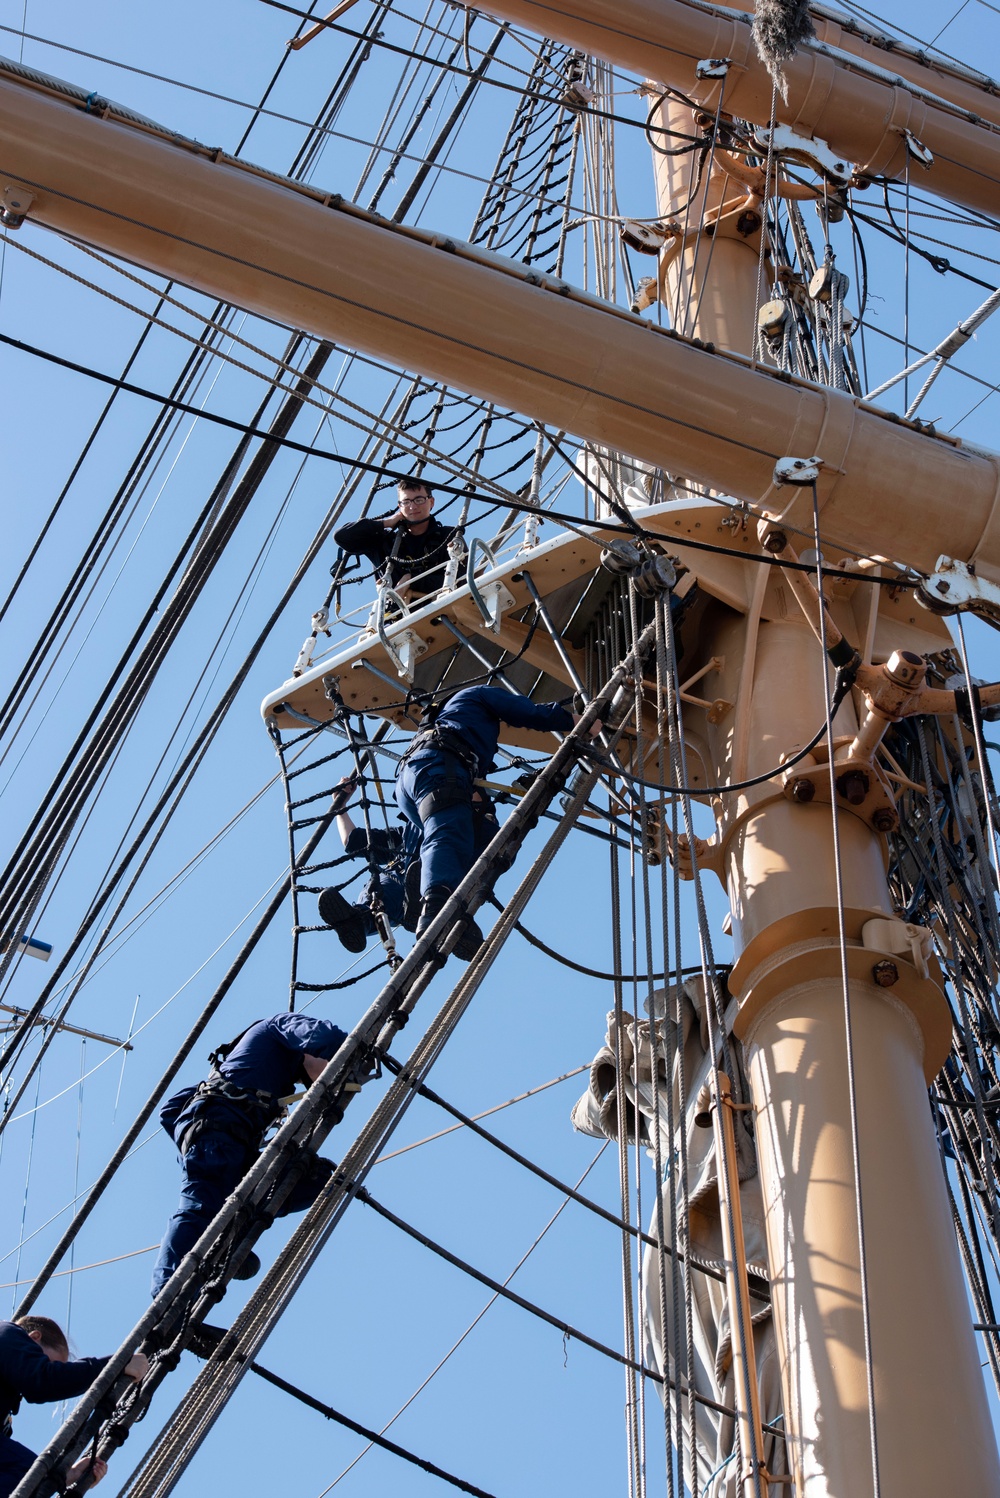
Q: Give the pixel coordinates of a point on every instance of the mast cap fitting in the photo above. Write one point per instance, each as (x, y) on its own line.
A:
(906, 668)
(799, 471)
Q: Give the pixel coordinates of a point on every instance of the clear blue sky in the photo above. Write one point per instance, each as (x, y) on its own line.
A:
(513, 1410)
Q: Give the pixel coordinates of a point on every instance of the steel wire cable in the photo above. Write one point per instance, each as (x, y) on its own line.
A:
(23, 920)
(662, 1246)
(959, 983)
(68, 482)
(469, 1329)
(159, 432)
(657, 1028)
(180, 1056)
(281, 365)
(29, 866)
(829, 697)
(636, 1367)
(392, 47)
(216, 1383)
(653, 1037)
(395, 999)
(719, 1044)
(572, 522)
(374, 1438)
(180, 780)
(663, 1035)
(21, 923)
(624, 1192)
(138, 346)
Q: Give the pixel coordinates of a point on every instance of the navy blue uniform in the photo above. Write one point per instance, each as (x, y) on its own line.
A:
(219, 1126)
(394, 851)
(434, 783)
(27, 1372)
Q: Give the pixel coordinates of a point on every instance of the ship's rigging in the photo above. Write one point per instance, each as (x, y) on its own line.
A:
(557, 175)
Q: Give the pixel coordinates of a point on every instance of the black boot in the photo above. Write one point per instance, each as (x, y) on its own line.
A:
(411, 896)
(249, 1269)
(344, 918)
(204, 1339)
(471, 939)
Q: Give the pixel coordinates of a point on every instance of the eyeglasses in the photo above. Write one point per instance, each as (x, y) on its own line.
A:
(415, 499)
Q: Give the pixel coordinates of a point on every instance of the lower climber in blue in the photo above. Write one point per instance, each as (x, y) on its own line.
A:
(219, 1125)
(435, 786)
(35, 1365)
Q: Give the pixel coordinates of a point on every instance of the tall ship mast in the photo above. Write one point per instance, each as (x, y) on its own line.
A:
(696, 483)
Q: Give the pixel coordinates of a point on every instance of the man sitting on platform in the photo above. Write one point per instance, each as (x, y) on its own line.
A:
(409, 548)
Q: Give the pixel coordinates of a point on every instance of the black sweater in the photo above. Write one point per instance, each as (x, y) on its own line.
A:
(414, 554)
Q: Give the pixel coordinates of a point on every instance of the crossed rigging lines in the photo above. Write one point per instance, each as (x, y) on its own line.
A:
(185, 1301)
(26, 880)
(179, 784)
(515, 192)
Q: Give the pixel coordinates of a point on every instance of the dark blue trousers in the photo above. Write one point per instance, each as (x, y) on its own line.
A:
(448, 850)
(15, 1461)
(392, 898)
(210, 1171)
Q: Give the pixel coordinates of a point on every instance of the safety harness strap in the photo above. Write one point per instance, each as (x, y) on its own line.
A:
(448, 742)
(454, 790)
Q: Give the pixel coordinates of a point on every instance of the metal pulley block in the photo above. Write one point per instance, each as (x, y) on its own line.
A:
(652, 575)
(794, 286)
(918, 150)
(657, 575)
(713, 67)
(954, 588)
(828, 282)
(647, 239)
(772, 317)
(577, 95)
(799, 471)
(622, 558)
(14, 205)
(832, 207)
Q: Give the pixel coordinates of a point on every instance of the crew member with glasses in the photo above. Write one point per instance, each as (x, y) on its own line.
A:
(409, 548)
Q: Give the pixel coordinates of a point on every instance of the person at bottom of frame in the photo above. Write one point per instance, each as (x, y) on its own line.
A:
(35, 1365)
(219, 1125)
(393, 850)
(434, 786)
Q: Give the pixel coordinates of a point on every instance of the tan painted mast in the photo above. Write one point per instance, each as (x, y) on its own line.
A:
(854, 103)
(463, 317)
(786, 881)
(488, 326)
